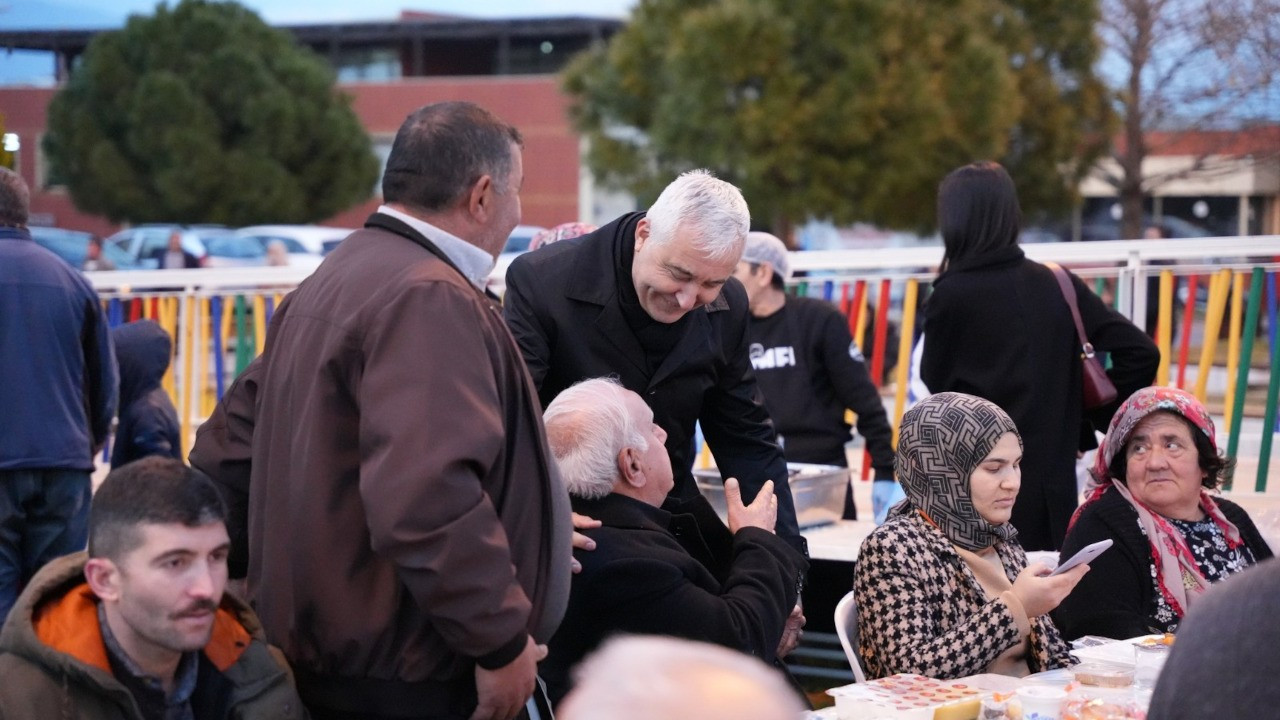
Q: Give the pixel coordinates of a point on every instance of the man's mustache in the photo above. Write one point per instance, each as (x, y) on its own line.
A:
(199, 607)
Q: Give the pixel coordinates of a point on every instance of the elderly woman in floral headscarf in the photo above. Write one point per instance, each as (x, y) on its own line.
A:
(1151, 495)
(943, 588)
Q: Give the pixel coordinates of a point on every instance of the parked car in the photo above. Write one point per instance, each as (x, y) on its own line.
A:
(73, 246)
(298, 239)
(142, 241)
(230, 250)
(1102, 226)
(520, 238)
(517, 243)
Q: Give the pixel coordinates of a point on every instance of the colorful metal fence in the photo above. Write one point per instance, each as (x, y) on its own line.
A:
(219, 317)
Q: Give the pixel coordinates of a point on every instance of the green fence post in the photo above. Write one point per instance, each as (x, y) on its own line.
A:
(1268, 423)
(1246, 355)
(244, 336)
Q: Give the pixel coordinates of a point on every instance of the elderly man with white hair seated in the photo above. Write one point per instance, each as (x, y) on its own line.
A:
(654, 572)
(649, 678)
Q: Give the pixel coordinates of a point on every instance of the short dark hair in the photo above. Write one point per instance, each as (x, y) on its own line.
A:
(1216, 467)
(440, 152)
(151, 491)
(15, 198)
(978, 212)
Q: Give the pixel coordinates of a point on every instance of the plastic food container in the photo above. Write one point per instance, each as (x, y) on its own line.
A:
(1102, 675)
(817, 490)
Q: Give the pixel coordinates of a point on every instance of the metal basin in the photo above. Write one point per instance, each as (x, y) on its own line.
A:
(818, 491)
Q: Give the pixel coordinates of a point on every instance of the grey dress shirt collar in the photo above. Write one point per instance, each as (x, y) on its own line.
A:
(475, 264)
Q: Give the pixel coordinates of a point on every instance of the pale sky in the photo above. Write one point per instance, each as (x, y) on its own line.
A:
(89, 13)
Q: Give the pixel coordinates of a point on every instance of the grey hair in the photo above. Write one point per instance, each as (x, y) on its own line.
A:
(588, 424)
(713, 209)
(655, 678)
(15, 198)
(443, 149)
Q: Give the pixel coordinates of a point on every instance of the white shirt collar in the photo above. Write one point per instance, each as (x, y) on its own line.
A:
(475, 264)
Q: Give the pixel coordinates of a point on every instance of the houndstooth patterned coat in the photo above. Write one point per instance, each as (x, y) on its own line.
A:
(921, 610)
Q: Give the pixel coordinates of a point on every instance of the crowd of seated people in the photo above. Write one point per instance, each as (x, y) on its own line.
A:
(943, 588)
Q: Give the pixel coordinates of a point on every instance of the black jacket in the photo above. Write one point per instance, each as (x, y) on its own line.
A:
(1002, 331)
(562, 307)
(658, 573)
(1116, 598)
(148, 420)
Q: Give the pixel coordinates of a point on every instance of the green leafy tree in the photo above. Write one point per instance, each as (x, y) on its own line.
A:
(203, 113)
(1066, 119)
(847, 109)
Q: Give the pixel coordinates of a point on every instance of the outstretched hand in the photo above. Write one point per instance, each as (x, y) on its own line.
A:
(761, 513)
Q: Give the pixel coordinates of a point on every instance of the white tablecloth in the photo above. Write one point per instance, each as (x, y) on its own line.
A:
(838, 541)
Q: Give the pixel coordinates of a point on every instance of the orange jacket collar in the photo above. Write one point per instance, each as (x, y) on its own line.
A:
(70, 625)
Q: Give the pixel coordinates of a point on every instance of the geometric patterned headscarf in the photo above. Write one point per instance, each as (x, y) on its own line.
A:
(1177, 574)
(942, 440)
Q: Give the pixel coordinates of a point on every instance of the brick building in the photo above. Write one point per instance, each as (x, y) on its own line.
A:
(389, 69)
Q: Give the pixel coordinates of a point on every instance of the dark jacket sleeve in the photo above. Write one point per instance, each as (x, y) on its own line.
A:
(748, 613)
(852, 382)
(1134, 357)
(223, 450)
(154, 429)
(525, 322)
(738, 428)
(941, 326)
(102, 381)
(1114, 599)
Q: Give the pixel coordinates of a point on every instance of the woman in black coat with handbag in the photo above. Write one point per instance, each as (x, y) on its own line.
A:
(997, 326)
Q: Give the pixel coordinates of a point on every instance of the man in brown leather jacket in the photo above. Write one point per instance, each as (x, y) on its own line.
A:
(409, 541)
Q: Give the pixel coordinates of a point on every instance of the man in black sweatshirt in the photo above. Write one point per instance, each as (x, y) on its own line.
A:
(808, 368)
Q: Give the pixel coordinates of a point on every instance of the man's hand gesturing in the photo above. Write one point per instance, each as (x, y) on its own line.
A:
(761, 513)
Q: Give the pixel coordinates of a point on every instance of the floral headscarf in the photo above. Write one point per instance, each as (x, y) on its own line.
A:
(942, 440)
(563, 231)
(1170, 554)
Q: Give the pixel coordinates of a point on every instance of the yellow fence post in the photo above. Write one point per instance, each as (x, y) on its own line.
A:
(904, 355)
(861, 325)
(259, 324)
(1164, 333)
(1218, 288)
(1234, 330)
(169, 321)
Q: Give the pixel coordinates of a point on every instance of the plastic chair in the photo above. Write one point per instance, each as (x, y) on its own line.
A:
(847, 630)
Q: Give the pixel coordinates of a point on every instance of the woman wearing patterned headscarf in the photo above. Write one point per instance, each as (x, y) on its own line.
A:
(943, 588)
(1150, 494)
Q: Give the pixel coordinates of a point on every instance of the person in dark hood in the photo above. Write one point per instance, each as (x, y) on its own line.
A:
(148, 420)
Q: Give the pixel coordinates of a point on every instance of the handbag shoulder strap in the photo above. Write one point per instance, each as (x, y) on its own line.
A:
(1069, 294)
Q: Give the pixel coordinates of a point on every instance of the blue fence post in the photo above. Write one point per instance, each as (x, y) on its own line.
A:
(215, 327)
